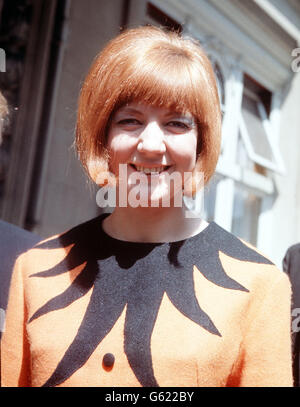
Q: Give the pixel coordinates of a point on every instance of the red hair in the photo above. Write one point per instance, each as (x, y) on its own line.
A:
(149, 65)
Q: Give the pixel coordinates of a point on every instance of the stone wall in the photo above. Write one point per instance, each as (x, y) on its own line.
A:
(65, 197)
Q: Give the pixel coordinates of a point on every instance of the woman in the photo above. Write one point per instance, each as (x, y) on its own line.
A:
(147, 296)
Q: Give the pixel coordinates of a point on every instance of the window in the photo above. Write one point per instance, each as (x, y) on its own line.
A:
(250, 156)
(246, 210)
(255, 128)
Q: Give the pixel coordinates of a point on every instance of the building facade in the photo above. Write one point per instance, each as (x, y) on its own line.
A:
(254, 46)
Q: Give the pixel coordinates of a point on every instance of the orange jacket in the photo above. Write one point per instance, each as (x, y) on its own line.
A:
(89, 310)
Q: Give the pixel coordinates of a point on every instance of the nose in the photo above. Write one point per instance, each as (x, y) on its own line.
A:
(151, 139)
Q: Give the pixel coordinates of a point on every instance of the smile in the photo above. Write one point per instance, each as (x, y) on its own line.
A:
(150, 170)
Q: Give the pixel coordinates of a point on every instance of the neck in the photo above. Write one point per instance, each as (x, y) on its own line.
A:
(151, 224)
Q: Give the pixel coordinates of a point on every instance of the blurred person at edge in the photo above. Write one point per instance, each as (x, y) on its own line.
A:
(13, 240)
(148, 295)
(291, 265)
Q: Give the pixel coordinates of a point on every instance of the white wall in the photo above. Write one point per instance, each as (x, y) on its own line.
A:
(286, 210)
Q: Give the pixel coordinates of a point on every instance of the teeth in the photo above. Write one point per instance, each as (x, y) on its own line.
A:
(150, 170)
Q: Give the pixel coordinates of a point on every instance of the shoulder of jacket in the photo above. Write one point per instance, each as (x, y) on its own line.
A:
(239, 248)
(294, 250)
(53, 249)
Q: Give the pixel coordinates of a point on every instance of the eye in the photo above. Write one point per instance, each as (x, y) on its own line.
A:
(178, 125)
(129, 121)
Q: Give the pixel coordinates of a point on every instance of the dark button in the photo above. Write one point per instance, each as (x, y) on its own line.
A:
(108, 360)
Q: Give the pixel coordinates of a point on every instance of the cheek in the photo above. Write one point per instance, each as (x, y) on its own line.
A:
(120, 148)
(184, 152)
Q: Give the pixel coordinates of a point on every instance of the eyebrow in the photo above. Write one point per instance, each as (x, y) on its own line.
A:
(181, 116)
(127, 109)
(172, 114)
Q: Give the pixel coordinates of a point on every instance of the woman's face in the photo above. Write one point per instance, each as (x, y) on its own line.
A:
(153, 144)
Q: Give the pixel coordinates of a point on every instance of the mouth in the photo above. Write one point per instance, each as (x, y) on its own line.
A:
(150, 170)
